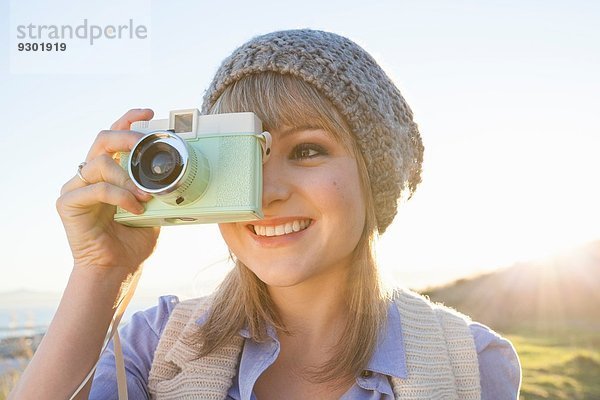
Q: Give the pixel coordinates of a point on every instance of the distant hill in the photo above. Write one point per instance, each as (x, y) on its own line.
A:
(558, 293)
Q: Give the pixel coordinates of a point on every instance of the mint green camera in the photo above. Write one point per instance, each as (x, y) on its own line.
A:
(199, 168)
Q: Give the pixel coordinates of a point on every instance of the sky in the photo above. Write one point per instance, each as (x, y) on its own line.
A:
(505, 94)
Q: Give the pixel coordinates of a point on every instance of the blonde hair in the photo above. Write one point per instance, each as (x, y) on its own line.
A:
(242, 300)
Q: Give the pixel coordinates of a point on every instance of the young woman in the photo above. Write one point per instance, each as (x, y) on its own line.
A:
(302, 315)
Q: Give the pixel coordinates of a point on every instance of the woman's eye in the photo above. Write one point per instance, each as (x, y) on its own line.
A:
(306, 151)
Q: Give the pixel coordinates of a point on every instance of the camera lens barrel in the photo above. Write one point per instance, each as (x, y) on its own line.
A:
(165, 165)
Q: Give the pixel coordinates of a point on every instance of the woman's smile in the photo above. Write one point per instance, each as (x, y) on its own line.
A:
(269, 228)
(279, 232)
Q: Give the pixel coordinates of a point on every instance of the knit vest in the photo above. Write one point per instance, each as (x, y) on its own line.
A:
(440, 354)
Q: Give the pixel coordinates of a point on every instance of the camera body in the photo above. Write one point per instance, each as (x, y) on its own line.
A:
(199, 168)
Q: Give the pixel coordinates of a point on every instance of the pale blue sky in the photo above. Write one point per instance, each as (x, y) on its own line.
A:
(505, 94)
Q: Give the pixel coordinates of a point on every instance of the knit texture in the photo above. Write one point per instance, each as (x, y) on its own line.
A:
(440, 352)
(440, 355)
(380, 119)
(178, 373)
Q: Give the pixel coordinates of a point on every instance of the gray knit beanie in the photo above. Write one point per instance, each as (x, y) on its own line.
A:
(349, 77)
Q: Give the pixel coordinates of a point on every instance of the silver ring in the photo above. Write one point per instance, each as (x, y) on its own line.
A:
(79, 168)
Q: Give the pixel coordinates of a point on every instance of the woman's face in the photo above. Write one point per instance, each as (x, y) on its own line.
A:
(314, 212)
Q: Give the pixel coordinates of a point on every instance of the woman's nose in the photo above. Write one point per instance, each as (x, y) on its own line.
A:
(276, 182)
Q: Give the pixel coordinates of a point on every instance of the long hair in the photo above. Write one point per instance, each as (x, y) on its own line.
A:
(242, 300)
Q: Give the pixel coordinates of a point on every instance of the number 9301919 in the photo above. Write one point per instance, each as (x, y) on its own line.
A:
(44, 46)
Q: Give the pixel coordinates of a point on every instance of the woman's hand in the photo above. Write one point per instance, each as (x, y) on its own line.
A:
(105, 254)
(87, 210)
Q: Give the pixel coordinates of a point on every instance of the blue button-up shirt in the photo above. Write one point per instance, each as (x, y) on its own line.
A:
(500, 372)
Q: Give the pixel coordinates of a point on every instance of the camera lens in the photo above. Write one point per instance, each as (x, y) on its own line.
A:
(158, 161)
(164, 164)
(160, 165)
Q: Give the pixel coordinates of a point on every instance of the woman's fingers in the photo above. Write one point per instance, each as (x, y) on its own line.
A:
(105, 169)
(134, 115)
(111, 142)
(104, 181)
(119, 137)
(101, 192)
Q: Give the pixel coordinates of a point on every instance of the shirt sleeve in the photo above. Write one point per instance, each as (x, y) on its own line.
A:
(139, 339)
(499, 366)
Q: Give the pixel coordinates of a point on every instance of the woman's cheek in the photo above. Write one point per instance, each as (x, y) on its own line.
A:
(230, 233)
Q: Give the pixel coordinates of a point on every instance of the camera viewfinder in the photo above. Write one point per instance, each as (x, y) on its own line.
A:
(183, 123)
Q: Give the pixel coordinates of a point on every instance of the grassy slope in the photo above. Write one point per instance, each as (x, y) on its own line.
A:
(559, 367)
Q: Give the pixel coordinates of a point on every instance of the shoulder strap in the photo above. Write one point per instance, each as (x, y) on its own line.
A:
(440, 352)
(178, 373)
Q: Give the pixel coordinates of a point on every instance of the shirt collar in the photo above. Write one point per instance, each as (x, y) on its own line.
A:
(271, 332)
(388, 357)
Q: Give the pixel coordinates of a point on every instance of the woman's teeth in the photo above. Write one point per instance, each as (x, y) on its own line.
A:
(283, 229)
